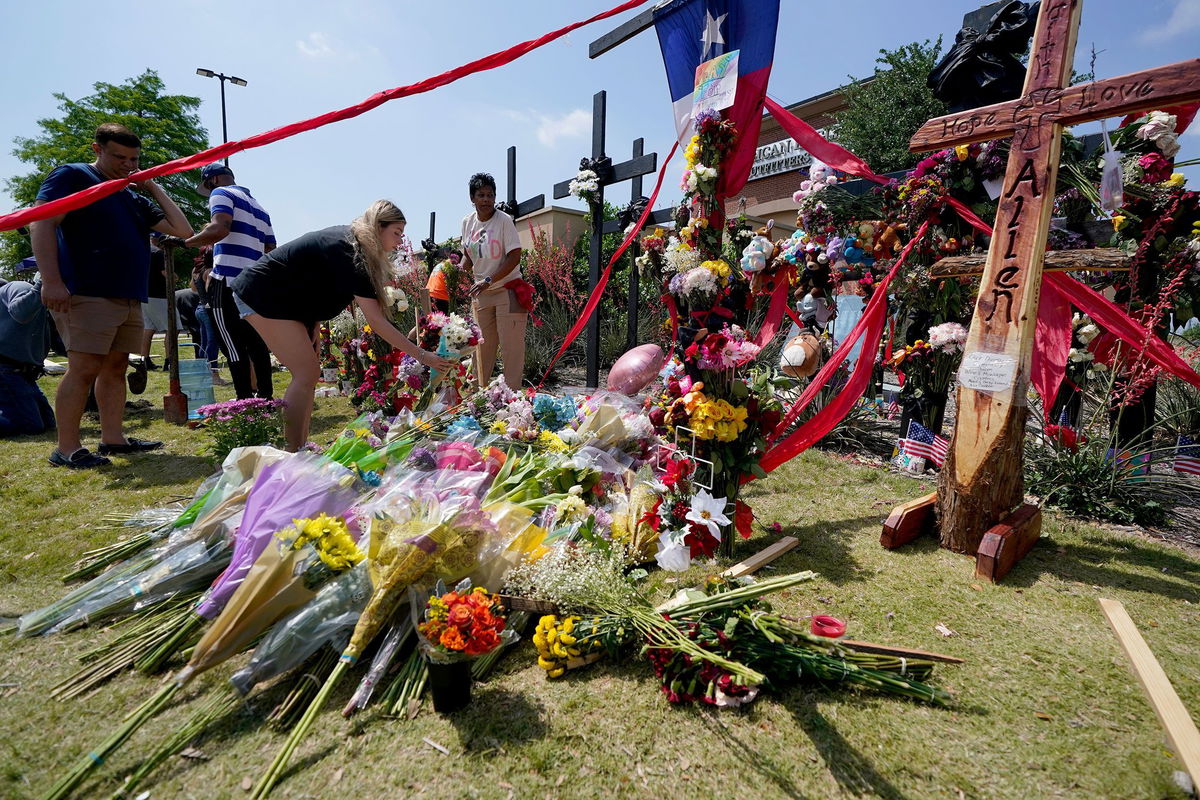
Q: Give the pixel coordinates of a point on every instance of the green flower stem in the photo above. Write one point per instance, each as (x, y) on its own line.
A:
(177, 633)
(88, 764)
(275, 770)
(222, 703)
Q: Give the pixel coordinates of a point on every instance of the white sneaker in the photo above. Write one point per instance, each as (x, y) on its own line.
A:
(53, 367)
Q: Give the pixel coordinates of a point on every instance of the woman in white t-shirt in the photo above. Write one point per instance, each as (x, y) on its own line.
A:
(492, 251)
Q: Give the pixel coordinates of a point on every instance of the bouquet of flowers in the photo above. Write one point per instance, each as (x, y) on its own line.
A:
(460, 624)
(240, 423)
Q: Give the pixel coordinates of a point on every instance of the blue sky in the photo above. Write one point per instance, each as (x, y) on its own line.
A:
(303, 58)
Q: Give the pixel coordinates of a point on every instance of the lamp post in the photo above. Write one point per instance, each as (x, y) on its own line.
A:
(222, 77)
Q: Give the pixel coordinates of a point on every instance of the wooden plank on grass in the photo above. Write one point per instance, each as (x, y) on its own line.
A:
(761, 558)
(1181, 730)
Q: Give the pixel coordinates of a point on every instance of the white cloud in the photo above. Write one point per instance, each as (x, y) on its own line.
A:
(572, 125)
(316, 46)
(552, 127)
(1184, 19)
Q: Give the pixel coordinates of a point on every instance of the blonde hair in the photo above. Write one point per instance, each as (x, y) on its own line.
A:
(369, 250)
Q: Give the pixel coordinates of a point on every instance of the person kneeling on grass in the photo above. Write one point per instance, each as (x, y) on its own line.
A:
(292, 289)
(24, 343)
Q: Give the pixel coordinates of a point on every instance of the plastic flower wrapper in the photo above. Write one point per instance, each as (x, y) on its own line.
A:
(327, 619)
(282, 579)
(414, 526)
(301, 486)
(285, 576)
(458, 625)
(188, 569)
(224, 500)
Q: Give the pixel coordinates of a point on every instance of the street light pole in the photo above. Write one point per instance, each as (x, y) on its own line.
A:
(222, 77)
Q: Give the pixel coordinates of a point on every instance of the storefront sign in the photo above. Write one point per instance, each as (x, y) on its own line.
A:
(777, 157)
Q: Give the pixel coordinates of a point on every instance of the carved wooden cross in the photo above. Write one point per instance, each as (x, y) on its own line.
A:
(981, 481)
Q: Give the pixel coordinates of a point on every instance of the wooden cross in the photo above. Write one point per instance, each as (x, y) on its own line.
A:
(511, 206)
(637, 201)
(981, 481)
(608, 174)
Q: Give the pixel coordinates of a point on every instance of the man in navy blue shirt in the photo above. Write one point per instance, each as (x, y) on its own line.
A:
(95, 266)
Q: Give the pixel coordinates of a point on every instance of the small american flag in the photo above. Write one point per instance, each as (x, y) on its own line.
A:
(1187, 456)
(893, 410)
(924, 443)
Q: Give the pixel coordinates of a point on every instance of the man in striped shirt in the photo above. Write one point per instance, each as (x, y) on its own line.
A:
(241, 233)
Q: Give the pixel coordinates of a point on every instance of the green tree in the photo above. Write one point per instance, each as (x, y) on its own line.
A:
(883, 113)
(167, 124)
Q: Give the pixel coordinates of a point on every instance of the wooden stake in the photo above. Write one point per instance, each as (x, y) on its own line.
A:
(761, 558)
(1181, 730)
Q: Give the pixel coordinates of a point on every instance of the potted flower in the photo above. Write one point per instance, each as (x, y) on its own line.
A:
(458, 626)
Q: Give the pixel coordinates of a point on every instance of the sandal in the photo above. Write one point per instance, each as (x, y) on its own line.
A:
(130, 445)
(80, 459)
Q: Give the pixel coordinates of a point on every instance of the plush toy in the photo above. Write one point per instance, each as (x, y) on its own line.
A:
(801, 356)
(887, 241)
(761, 250)
(834, 249)
(852, 252)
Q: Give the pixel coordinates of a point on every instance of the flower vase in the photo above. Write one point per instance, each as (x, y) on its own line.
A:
(450, 684)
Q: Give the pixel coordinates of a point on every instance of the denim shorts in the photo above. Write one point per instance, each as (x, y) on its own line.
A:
(243, 309)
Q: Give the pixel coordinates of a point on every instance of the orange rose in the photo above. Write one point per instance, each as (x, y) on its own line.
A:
(460, 614)
(452, 639)
(450, 598)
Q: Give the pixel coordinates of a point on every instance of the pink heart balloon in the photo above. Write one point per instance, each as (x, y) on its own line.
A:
(634, 370)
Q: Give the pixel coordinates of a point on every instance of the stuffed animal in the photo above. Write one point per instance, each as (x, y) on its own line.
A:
(761, 250)
(887, 241)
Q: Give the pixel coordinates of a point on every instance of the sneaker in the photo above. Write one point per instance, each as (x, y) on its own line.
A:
(80, 459)
(217, 380)
(130, 445)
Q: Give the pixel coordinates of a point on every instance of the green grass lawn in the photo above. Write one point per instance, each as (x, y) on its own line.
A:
(1046, 704)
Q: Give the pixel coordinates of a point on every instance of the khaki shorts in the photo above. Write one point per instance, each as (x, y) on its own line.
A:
(101, 325)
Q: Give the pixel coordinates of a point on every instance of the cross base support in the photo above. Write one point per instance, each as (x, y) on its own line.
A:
(1007, 542)
(909, 521)
(1003, 545)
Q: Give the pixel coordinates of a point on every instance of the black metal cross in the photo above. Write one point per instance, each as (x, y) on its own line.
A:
(510, 205)
(607, 174)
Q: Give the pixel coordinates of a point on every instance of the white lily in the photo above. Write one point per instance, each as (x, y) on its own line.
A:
(708, 511)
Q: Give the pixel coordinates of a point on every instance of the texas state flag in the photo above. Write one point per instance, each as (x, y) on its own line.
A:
(691, 32)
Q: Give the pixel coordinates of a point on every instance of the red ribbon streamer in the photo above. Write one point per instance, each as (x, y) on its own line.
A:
(870, 326)
(779, 303)
(594, 300)
(1114, 319)
(71, 202)
(830, 153)
(1058, 288)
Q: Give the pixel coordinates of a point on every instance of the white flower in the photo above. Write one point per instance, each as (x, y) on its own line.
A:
(699, 281)
(672, 556)
(569, 435)
(1168, 143)
(1077, 356)
(1157, 123)
(708, 511)
(949, 337)
(584, 183)
(1087, 333)
(397, 299)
